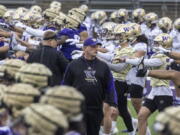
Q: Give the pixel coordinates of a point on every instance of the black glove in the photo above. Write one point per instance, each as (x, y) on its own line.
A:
(142, 70)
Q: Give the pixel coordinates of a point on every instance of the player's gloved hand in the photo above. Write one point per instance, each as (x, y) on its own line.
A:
(142, 70)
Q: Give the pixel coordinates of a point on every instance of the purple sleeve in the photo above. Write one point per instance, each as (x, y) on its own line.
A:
(110, 95)
(66, 32)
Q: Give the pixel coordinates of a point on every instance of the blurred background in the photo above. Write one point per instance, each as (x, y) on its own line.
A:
(169, 8)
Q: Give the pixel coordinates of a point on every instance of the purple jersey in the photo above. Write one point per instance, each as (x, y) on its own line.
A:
(66, 47)
(5, 131)
(82, 28)
(2, 20)
(1, 44)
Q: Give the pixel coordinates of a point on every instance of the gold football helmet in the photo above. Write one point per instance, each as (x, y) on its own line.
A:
(8, 15)
(84, 8)
(136, 31)
(36, 74)
(50, 13)
(78, 12)
(20, 95)
(151, 18)
(72, 21)
(163, 39)
(19, 13)
(3, 10)
(122, 33)
(55, 5)
(138, 15)
(65, 98)
(100, 16)
(122, 14)
(59, 21)
(165, 23)
(107, 30)
(21, 10)
(44, 120)
(113, 15)
(168, 121)
(93, 16)
(36, 9)
(177, 24)
(37, 21)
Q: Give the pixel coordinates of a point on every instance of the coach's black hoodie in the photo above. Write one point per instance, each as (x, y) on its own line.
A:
(93, 79)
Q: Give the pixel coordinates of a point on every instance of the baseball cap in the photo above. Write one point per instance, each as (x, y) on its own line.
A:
(90, 42)
(49, 35)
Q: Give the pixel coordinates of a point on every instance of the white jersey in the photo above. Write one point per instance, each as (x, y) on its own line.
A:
(152, 33)
(159, 91)
(25, 36)
(132, 79)
(131, 76)
(88, 23)
(176, 40)
(153, 62)
(109, 45)
(143, 28)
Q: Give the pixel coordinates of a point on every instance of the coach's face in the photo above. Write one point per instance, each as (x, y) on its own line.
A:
(91, 50)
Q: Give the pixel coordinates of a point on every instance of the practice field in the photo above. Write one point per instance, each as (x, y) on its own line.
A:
(121, 125)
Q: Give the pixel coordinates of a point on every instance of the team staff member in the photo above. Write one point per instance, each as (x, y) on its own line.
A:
(49, 56)
(93, 78)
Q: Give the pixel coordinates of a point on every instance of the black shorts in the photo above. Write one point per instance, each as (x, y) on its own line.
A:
(136, 91)
(158, 103)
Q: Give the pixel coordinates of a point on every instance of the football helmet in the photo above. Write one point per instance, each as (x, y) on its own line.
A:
(20, 95)
(8, 15)
(165, 23)
(84, 8)
(19, 13)
(151, 18)
(136, 31)
(164, 40)
(21, 10)
(177, 24)
(168, 121)
(44, 119)
(122, 14)
(78, 12)
(122, 33)
(72, 21)
(3, 10)
(113, 15)
(36, 9)
(65, 98)
(138, 15)
(36, 74)
(100, 16)
(107, 30)
(50, 13)
(55, 5)
(60, 20)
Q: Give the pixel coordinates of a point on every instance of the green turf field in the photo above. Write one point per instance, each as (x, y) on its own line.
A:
(121, 125)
